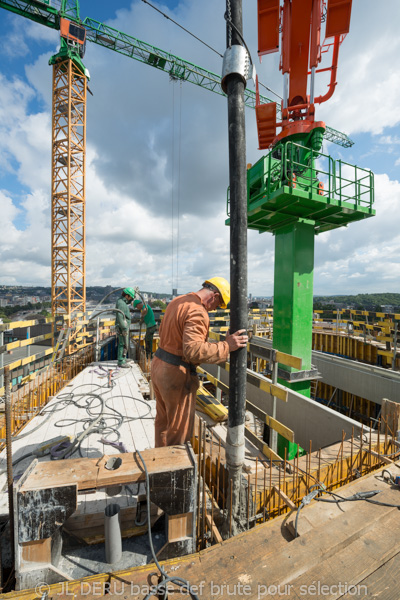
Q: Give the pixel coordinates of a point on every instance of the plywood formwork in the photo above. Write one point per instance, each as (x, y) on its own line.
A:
(272, 486)
(369, 350)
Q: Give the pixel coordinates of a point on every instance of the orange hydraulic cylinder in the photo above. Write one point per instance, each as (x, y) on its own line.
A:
(286, 25)
(299, 50)
(315, 45)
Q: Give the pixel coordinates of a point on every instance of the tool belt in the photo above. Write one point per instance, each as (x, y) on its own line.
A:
(173, 359)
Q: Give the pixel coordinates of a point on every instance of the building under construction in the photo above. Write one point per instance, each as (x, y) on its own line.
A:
(89, 507)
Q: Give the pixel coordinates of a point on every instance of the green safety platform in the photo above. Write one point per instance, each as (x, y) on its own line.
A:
(293, 182)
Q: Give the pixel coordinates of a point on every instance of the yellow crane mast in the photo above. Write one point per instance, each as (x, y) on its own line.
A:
(68, 287)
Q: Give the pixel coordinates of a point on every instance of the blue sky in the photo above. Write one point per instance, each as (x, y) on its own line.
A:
(152, 144)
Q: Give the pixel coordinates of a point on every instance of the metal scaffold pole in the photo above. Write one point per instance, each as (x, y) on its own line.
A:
(234, 83)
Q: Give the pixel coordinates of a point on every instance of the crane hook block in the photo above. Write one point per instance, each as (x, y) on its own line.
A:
(236, 62)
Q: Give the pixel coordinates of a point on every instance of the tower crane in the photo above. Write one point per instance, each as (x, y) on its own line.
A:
(70, 77)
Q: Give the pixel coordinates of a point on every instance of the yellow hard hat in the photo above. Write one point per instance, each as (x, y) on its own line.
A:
(223, 287)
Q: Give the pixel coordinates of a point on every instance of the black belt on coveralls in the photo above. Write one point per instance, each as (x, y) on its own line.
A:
(173, 359)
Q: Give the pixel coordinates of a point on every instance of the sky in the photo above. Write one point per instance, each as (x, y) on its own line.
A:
(157, 153)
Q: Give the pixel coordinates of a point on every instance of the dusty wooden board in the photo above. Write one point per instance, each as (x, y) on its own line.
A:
(88, 473)
(263, 557)
(352, 564)
(321, 514)
(383, 583)
(80, 471)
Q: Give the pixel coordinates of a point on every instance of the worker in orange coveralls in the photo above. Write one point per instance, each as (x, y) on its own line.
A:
(183, 346)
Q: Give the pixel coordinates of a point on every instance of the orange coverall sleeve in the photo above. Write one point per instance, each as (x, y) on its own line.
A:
(196, 348)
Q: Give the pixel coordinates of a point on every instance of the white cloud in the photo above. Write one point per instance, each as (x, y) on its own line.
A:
(130, 169)
(368, 78)
(367, 251)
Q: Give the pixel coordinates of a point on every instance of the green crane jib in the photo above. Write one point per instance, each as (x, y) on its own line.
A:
(51, 12)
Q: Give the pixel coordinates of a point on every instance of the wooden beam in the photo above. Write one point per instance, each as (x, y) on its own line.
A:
(90, 473)
(271, 422)
(265, 449)
(22, 343)
(212, 526)
(263, 352)
(21, 324)
(285, 498)
(263, 383)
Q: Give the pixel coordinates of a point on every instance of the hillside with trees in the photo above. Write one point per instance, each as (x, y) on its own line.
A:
(359, 301)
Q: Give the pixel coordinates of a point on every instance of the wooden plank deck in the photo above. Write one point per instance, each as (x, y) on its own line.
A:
(346, 553)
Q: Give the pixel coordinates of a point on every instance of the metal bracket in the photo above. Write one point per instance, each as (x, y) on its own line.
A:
(236, 62)
(296, 375)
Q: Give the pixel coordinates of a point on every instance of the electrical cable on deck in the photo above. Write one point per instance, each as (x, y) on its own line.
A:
(314, 491)
(366, 496)
(95, 423)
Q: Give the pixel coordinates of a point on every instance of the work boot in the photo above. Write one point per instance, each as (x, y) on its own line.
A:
(124, 366)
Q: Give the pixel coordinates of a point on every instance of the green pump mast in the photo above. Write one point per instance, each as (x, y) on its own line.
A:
(296, 191)
(52, 13)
